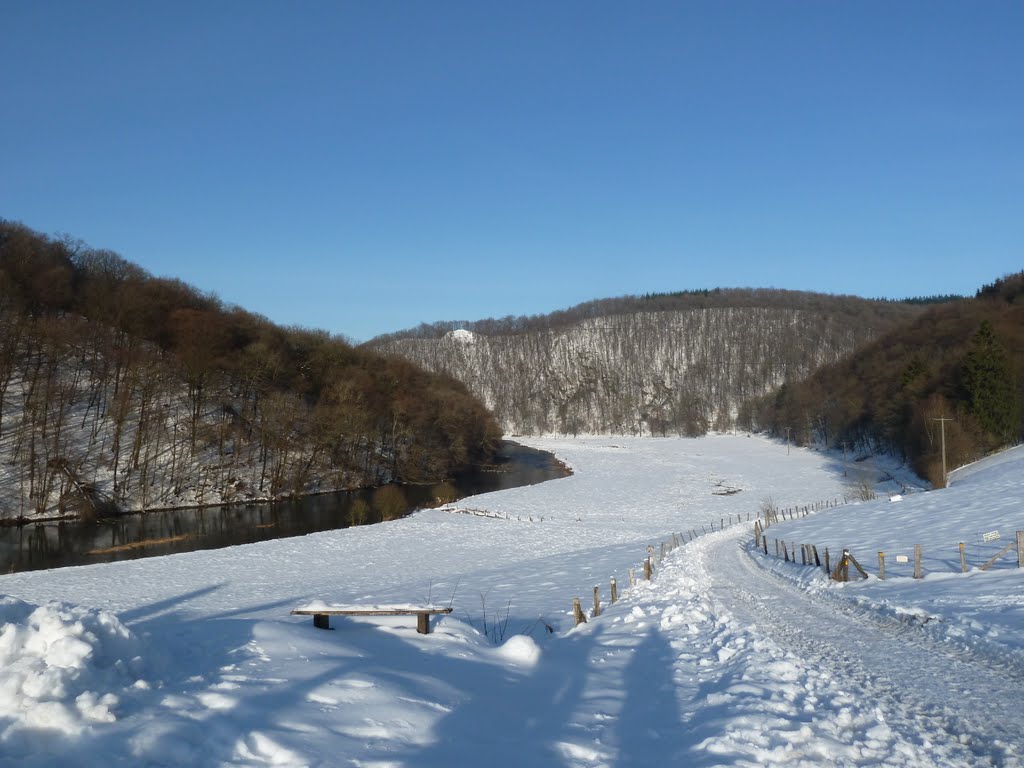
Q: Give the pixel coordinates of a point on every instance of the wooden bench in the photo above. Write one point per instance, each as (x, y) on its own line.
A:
(322, 620)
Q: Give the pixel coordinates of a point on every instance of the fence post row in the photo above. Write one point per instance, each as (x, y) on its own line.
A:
(809, 554)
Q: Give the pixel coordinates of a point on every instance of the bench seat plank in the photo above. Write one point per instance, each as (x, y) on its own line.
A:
(370, 611)
(321, 614)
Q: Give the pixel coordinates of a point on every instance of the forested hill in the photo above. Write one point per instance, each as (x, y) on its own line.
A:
(123, 390)
(961, 361)
(678, 363)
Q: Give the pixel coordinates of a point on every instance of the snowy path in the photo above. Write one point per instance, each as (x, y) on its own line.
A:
(719, 662)
(946, 706)
(738, 667)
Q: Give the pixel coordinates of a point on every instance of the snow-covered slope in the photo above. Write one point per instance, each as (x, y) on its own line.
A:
(640, 372)
(725, 658)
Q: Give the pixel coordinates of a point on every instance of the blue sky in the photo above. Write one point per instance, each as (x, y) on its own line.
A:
(364, 167)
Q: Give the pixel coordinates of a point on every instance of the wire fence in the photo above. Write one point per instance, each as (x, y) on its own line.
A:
(986, 551)
(646, 568)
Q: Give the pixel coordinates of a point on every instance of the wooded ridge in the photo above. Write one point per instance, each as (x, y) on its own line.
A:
(960, 362)
(120, 390)
(676, 363)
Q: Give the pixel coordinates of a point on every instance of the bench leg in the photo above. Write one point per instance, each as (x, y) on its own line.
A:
(321, 621)
(423, 623)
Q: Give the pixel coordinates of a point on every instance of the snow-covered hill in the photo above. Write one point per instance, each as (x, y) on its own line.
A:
(725, 658)
(672, 371)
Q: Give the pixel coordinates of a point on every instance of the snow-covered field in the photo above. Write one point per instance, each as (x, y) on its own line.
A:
(725, 658)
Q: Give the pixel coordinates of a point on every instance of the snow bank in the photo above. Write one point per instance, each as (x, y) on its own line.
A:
(59, 668)
(520, 649)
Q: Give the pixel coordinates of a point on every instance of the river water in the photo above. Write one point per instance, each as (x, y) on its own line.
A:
(163, 532)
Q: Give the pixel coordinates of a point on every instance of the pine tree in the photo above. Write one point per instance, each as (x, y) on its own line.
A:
(988, 384)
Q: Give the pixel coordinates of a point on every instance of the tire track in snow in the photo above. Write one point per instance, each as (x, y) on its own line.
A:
(955, 709)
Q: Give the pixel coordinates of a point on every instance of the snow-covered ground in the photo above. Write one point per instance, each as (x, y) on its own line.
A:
(725, 658)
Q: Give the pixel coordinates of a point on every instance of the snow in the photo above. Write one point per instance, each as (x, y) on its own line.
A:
(461, 335)
(62, 668)
(980, 611)
(726, 657)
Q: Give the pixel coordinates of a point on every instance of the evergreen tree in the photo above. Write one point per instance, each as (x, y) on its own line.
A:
(988, 383)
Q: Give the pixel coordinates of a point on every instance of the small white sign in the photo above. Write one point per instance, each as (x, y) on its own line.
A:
(990, 536)
(902, 559)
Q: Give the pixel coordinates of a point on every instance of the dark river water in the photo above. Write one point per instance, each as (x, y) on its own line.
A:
(148, 534)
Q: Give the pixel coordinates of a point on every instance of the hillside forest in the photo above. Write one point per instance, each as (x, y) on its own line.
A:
(120, 390)
(663, 364)
(954, 375)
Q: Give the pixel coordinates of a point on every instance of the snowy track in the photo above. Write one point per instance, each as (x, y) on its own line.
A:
(934, 704)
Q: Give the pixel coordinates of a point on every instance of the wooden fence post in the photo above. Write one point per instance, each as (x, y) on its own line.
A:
(632, 577)
(999, 554)
(917, 561)
(661, 557)
(881, 566)
(827, 568)
(597, 601)
(577, 612)
(614, 589)
(842, 571)
(963, 559)
(647, 568)
(817, 560)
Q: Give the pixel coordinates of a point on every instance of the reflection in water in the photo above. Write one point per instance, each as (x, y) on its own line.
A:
(54, 545)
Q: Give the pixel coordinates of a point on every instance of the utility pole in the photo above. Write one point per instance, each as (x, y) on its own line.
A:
(942, 426)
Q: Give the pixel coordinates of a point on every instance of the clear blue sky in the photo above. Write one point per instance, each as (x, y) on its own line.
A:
(364, 167)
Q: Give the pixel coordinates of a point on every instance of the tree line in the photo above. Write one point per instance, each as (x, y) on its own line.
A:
(960, 361)
(679, 363)
(119, 389)
(876, 313)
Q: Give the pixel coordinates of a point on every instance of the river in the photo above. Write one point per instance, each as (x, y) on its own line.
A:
(162, 532)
